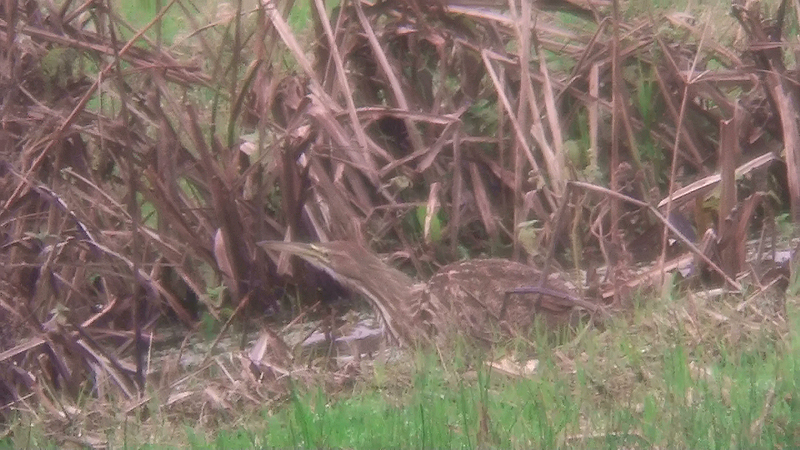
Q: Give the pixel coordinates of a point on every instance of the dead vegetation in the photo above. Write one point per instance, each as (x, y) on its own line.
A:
(135, 181)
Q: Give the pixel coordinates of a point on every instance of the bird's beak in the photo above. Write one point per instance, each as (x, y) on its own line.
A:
(309, 252)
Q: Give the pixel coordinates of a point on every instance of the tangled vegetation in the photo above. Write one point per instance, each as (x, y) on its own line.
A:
(141, 164)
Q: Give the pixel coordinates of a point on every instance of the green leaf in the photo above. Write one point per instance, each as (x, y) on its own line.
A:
(436, 223)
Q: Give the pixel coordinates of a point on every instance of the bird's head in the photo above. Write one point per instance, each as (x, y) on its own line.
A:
(344, 261)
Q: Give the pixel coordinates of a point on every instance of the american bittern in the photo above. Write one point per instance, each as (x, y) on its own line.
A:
(472, 296)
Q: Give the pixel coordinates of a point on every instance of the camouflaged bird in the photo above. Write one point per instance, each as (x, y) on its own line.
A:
(474, 297)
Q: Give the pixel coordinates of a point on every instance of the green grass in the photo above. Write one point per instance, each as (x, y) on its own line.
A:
(140, 12)
(650, 381)
(174, 23)
(679, 410)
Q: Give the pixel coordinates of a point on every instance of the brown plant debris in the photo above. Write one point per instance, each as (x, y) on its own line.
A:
(138, 171)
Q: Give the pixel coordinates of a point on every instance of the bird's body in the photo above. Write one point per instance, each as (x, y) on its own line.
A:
(474, 296)
(470, 297)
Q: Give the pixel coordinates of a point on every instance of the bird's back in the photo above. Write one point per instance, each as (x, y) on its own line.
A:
(472, 297)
